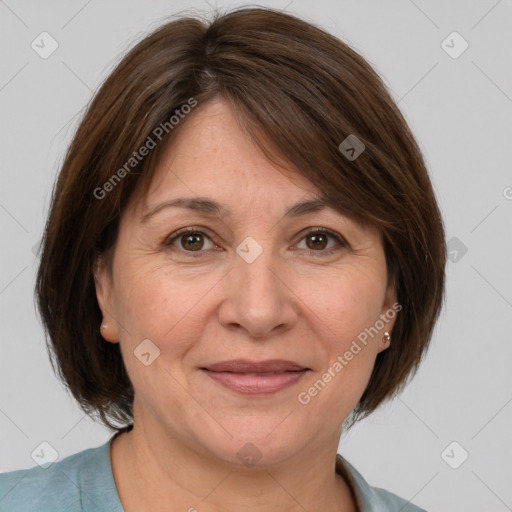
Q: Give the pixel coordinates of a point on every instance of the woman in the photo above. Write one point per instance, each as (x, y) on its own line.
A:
(244, 255)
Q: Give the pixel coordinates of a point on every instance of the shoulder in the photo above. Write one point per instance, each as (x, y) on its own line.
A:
(39, 488)
(66, 485)
(394, 502)
(372, 499)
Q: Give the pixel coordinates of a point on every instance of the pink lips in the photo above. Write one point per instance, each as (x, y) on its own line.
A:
(253, 377)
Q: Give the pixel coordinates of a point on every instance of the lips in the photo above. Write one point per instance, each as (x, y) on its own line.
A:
(246, 366)
(256, 377)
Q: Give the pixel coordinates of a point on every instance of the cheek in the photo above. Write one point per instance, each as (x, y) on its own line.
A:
(161, 304)
(350, 304)
(152, 307)
(347, 313)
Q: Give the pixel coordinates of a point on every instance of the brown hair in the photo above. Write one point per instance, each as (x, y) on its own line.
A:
(307, 91)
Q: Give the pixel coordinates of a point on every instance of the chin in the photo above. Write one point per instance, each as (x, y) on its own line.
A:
(255, 441)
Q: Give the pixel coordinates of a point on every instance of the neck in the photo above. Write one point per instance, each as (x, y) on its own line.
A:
(153, 470)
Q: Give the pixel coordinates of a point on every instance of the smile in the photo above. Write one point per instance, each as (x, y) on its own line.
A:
(256, 383)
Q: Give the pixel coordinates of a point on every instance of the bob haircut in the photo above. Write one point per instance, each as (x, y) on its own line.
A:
(298, 92)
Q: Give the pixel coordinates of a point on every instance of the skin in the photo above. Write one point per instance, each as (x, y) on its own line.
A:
(295, 301)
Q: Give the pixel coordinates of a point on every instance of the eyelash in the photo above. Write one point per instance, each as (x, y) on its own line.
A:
(342, 243)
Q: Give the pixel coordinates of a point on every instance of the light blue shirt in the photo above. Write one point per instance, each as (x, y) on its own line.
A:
(84, 482)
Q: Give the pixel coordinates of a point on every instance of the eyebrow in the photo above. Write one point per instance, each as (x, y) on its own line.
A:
(208, 206)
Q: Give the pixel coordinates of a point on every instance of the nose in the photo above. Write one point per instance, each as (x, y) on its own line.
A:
(259, 297)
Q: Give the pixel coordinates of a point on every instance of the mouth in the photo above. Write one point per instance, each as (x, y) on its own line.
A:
(253, 377)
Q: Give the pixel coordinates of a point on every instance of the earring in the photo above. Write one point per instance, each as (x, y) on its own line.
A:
(387, 337)
(103, 326)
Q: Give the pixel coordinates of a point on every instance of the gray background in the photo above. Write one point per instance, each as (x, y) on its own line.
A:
(458, 108)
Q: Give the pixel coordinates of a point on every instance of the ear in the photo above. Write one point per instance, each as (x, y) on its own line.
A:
(390, 310)
(104, 293)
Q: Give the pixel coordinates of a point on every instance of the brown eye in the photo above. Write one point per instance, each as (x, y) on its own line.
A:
(317, 241)
(192, 241)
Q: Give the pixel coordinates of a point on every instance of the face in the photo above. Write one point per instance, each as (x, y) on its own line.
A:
(248, 282)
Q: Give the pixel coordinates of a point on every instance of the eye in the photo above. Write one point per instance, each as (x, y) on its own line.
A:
(317, 239)
(193, 240)
(189, 240)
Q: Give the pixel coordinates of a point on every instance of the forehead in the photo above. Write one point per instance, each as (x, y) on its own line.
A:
(210, 155)
(211, 166)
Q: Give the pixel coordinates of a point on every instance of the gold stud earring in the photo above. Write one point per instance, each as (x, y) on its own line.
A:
(387, 337)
